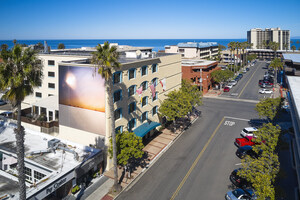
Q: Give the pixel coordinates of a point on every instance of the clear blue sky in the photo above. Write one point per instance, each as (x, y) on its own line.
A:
(144, 19)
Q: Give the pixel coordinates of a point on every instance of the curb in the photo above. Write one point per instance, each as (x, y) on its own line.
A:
(155, 158)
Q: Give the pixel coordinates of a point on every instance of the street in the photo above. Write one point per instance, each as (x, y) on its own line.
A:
(198, 164)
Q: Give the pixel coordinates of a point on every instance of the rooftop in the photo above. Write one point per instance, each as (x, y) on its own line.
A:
(197, 44)
(198, 62)
(292, 57)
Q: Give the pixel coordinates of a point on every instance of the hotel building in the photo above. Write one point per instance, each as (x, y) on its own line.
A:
(257, 36)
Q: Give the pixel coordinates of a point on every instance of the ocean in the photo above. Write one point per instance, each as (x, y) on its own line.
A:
(157, 44)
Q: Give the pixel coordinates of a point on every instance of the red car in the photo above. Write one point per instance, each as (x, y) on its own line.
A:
(245, 141)
(226, 89)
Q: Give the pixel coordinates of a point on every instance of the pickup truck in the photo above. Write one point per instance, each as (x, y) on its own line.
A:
(245, 141)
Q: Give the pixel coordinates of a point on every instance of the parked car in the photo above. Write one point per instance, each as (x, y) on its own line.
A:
(243, 194)
(237, 180)
(233, 82)
(265, 91)
(2, 102)
(244, 141)
(241, 75)
(237, 78)
(247, 68)
(244, 71)
(241, 152)
(226, 89)
(229, 85)
(266, 85)
(249, 131)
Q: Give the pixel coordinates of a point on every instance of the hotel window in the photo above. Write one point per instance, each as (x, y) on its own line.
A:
(155, 97)
(51, 62)
(50, 116)
(51, 74)
(154, 68)
(144, 101)
(28, 174)
(118, 114)
(131, 124)
(117, 77)
(131, 107)
(51, 85)
(144, 116)
(144, 70)
(38, 94)
(131, 74)
(131, 90)
(117, 95)
(181, 50)
(144, 85)
(154, 81)
(154, 110)
(38, 175)
(119, 129)
(49, 95)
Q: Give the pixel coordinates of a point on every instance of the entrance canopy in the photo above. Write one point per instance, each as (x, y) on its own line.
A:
(143, 129)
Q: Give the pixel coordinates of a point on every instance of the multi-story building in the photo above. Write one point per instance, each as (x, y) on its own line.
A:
(202, 50)
(261, 38)
(79, 104)
(199, 72)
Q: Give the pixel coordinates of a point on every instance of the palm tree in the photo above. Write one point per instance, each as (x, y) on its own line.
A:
(293, 48)
(276, 64)
(230, 47)
(286, 46)
(20, 72)
(274, 46)
(106, 60)
(265, 44)
(244, 46)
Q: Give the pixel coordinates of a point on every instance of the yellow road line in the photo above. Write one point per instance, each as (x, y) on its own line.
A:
(196, 161)
(247, 83)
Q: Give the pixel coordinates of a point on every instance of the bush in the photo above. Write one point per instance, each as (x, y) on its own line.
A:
(75, 189)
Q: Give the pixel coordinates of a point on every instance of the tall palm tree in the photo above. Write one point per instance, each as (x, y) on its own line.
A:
(20, 72)
(293, 48)
(106, 61)
(276, 64)
(286, 46)
(274, 46)
(244, 46)
(230, 47)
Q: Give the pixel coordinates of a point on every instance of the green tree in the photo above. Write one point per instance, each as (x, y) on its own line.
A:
(274, 46)
(4, 47)
(106, 61)
(15, 41)
(221, 76)
(192, 92)
(293, 48)
(244, 46)
(39, 46)
(286, 46)
(61, 46)
(297, 42)
(251, 57)
(231, 47)
(277, 65)
(20, 72)
(268, 107)
(129, 147)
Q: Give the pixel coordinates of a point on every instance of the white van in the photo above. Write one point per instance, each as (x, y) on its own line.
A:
(248, 131)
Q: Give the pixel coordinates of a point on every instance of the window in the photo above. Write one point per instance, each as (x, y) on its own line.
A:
(51, 85)
(117, 96)
(28, 175)
(154, 68)
(51, 62)
(154, 110)
(51, 74)
(144, 116)
(118, 113)
(131, 124)
(181, 50)
(38, 94)
(38, 175)
(155, 97)
(50, 116)
(131, 90)
(144, 101)
(131, 107)
(49, 95)
(144, 85)
(144, 70)
(119, 129)
(154, 81)
(131, 74)
(117, 77)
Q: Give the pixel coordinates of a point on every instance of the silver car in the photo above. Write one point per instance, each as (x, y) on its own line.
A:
(239, 194)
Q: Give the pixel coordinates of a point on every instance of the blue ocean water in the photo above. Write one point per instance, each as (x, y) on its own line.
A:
(157, 44)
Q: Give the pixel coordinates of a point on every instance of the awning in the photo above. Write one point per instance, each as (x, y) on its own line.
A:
(143, 129)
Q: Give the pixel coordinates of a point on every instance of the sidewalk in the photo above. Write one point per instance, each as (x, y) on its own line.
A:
(156, 146)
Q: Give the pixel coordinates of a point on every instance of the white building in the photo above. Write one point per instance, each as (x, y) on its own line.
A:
(202, 50)
(257, 36)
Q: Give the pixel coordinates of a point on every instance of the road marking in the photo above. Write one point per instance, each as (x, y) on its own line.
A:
(229, 123)
(239, 164)
(247, 82)
(196, 161)
(237, 118)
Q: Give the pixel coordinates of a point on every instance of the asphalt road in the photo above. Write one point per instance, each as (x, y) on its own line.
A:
(247, 87)
(198, 164)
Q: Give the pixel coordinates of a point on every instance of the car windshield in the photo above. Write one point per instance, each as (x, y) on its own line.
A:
(245, 130)
(237, 193)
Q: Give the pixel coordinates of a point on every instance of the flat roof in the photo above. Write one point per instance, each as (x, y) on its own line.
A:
(291, 56)
(197, 44)
(196, 62)
(294, 83)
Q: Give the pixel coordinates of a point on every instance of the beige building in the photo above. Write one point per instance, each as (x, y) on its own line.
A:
(194, 50)
(73, 105)
(257, 36)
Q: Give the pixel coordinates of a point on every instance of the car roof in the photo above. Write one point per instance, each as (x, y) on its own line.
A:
(245, 148)
(251, 129)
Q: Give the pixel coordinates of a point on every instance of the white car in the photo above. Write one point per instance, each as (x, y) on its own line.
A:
(233, 82)
(265, 91)
(229, 85)
(248, 131)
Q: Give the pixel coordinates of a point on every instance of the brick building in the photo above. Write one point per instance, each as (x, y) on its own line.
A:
(198, 71)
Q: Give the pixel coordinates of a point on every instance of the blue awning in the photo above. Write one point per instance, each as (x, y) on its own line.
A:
(143, 129)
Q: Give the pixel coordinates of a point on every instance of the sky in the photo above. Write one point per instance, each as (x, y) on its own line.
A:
(138, 19)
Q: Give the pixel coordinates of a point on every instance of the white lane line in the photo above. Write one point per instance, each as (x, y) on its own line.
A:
(239, 164)
(247, 120)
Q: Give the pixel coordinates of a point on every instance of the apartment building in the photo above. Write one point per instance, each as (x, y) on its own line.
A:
(199, 72)
(259, 38)
(201, 50)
